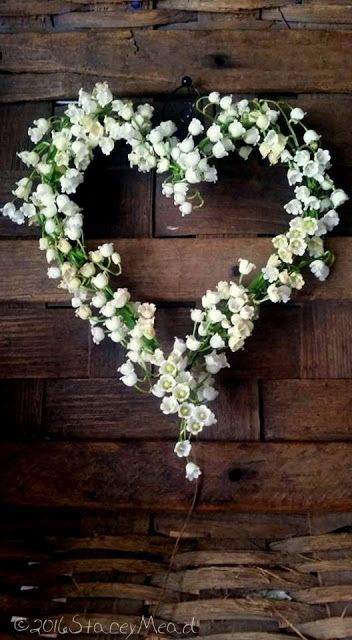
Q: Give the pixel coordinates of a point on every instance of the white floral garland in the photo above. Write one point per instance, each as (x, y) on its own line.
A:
(64, 147)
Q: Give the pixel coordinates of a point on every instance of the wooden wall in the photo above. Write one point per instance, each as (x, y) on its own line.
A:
(73, 436)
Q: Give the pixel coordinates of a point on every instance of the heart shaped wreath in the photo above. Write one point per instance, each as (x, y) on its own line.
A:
(64, 147)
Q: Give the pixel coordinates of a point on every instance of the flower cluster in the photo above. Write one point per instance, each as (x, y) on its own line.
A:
(62, 149)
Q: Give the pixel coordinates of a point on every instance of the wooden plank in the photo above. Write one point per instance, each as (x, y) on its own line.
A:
(114, 590)
(124, 197)
(120, 19)
(21, 408)
(240, 608)
(311, 13)
(48, 7)
(103, 408)
(231, 526)
(318, 409)
(145, 259)
(48, 67)
(326, 345)
(308, 544)
(237, 477)
(221, 6)
(324, 629)
(194, 581)
(14, 122)
(33, 341)
(324, 595)
(248, 200)
(156, 545)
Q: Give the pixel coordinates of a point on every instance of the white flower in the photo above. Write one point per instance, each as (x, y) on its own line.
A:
(303, 194)
(331, 219)
(181, 392)
(310, 136)
(70, 180)
(214, 133)
(192, 471)
(322, 156)
(312, 169)
(236, 129)
(219, 150)
(98, 334)
(130, 380)
(102, 94)
(116, 258)
(167, 189)
(195, 127)
(192, 176)
(215, 362)
(294, 207)
(37, 132)
(244, 152)
(216, 341)
(187, 145)
(23, 188)
(197, 315)
(245, 267)
(183, 448)
(98, 300)
(294, 176)
(192, 343)
(106, 249)
(179, 346)
(87, 270)
(9, 210)
(338, 197)
(186, 208)
(121, 297)
(169, 405)
(210, 298)
(185, 410)
(215, 315)
(64, 246)
(54, 272)
(270, 273)
(302, 157)
(194, 427)
(84, 312)
(252, 136)
(320, 269)
(100, 281)
(225, 102)
(214, 97)
(106, 145)
(209, 393)
(297, 114)
(280, 293)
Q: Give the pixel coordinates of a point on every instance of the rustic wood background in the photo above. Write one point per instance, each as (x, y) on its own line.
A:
(78, 448)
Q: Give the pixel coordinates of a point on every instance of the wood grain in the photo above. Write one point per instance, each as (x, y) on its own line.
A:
(33, 342)
(145, 259)
(319, 409)
(265, 477)
(21, 408)
(48, 67)
(326, 345)
(106, 409)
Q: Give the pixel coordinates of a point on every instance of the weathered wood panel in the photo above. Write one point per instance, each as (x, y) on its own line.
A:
(144, 261)
(326, 344)
(307, 409)
(104, 408)
(48, 67)
(20, 408)
(33, 341)
(237, 477)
